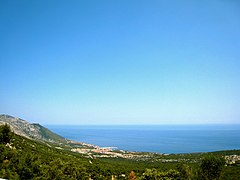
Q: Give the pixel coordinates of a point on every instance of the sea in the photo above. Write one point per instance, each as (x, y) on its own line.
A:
(166, 139)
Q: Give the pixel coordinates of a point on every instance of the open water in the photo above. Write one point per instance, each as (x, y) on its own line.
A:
(157, 138)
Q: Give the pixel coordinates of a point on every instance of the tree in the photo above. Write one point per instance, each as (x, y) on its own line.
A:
(185, 171)
(5, 134)
(211, 167)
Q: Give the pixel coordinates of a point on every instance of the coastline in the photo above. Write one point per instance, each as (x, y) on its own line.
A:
(156, 139)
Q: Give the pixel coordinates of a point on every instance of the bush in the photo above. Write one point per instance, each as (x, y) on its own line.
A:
(211, 167)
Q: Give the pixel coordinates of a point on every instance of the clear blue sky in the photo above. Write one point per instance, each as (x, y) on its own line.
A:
(120, 62)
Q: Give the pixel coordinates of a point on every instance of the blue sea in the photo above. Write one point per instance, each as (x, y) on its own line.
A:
(158, 138)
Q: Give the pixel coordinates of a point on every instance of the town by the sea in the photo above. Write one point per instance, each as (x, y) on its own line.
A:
(155, 138)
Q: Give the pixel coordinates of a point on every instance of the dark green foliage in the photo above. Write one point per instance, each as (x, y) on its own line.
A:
(185, 171)
(211, 167)
(154, 174)
(5, 134)
(230, 173)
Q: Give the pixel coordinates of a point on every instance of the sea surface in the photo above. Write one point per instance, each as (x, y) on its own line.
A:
(155, 138)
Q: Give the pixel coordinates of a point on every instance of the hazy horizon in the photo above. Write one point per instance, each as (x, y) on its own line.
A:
(152, 126)
(122, 62)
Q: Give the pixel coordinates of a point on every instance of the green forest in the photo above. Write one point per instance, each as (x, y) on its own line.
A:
(22, 158)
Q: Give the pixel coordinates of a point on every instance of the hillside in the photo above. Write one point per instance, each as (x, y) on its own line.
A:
(24, 158)
(25, 155)
(31, 131)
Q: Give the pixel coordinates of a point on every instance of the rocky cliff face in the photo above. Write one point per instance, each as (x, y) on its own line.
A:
(31, 131)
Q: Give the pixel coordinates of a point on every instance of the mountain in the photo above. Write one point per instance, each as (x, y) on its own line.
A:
(31, 131)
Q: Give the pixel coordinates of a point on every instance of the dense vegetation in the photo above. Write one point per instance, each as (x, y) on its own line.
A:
(21, 158)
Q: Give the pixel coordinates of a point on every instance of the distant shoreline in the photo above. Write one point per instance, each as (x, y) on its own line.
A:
(155, 139)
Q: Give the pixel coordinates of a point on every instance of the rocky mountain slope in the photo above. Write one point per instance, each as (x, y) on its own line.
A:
(31, 131)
